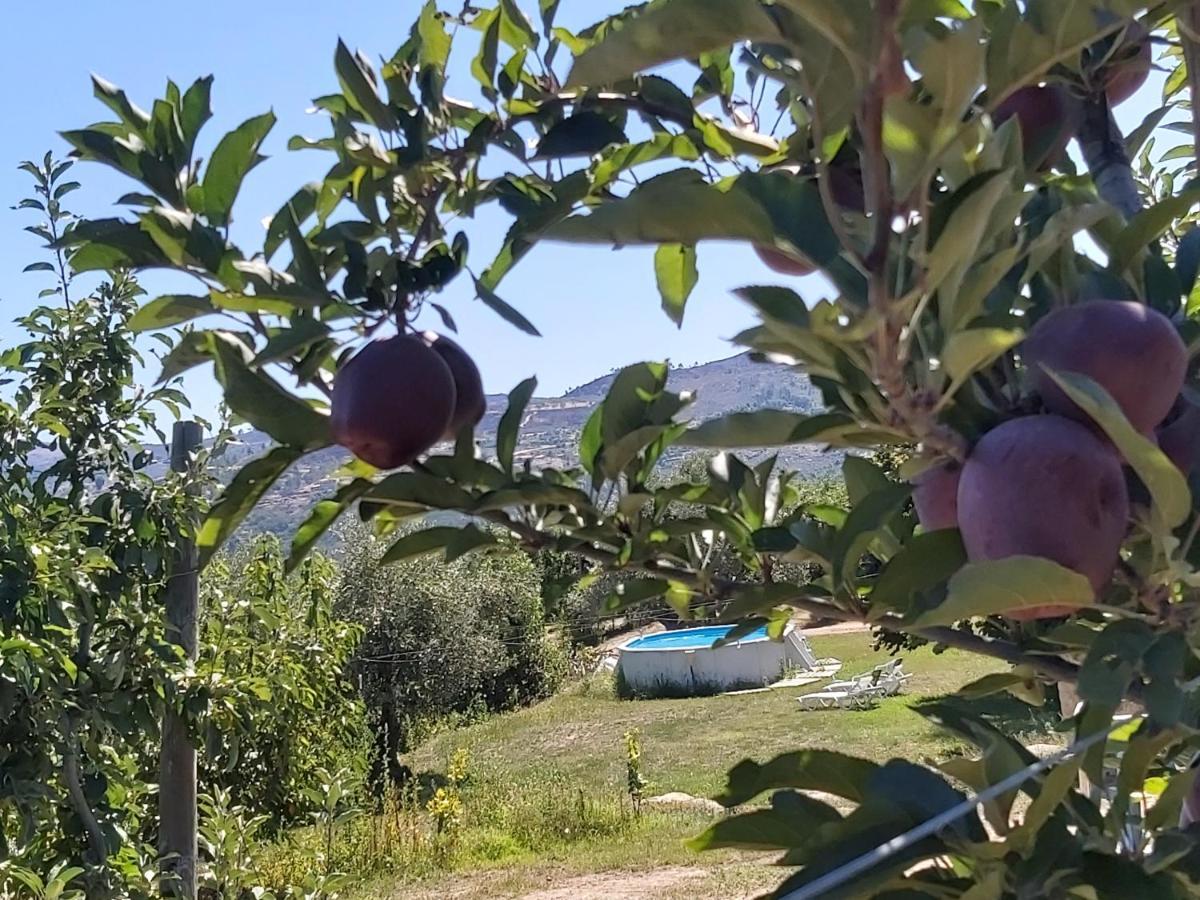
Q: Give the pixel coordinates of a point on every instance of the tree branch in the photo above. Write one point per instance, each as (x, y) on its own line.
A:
(74, 781)
(1188, 23)
(909, 406)
(1103, 148)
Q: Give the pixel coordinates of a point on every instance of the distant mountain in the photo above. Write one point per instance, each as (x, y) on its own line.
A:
(550, 431)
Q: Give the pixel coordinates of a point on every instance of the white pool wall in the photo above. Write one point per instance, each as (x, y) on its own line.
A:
(742, 664)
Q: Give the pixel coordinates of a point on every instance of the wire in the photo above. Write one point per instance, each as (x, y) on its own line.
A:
(885, 851)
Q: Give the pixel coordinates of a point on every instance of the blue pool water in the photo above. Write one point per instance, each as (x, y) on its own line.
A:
(691, 638)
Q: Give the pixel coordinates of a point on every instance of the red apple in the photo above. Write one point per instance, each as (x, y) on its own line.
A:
(1047, 115)
(783, 263)
(1127, 68)
(392, 401)
(1129, 349)
(1045, 486)
(935, 495)
(470, 402)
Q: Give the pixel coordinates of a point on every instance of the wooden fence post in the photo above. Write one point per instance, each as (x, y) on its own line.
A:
(177, 816)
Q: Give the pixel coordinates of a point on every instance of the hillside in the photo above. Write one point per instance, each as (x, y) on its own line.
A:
(550, 432)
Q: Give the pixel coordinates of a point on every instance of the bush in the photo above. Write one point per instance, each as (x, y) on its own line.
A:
(444, 642)
(283, 710)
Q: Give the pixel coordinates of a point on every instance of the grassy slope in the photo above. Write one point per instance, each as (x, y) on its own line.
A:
(689, 744)
(574, 741)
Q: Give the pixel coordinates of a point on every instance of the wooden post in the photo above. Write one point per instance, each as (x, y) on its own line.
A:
(177, 817)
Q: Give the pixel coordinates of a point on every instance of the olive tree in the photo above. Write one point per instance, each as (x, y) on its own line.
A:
(1023, 324)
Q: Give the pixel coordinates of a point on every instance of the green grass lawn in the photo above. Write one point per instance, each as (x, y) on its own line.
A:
(570, 748)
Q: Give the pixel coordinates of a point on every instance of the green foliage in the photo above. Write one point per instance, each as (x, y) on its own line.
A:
(443, 641)
(91, 519)
(87, 541)
(889, 169)
(281, 709)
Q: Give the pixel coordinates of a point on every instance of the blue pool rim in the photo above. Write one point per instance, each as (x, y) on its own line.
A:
(690, 639)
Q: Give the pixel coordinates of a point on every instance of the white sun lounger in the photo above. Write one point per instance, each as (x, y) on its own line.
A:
(860, 692)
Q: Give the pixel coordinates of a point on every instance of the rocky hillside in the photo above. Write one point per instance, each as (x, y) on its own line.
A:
(550, 432)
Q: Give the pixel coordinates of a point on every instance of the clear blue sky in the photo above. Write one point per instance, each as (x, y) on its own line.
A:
(596, 308)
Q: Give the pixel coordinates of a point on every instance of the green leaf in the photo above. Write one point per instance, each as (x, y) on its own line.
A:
(634, 591)
(627, 400)
(675, 271)
(582, 134)
(814, 770)
(1022, 48)
(515, 28)
(1166, 810)
(262, 401)
(116, 100)
(285, 343)
(1148, 226)
(951, 70)
(532, 493)
(613, 162)
(775, 209)
(976, 348)
(193, 348)
(863, 524)
(195, 108)
(39, 267)
(1187, 259)
(926, 561)
(1056, 785)
(921, 12)
(862, 478)
(65, 188)
(1168, 488)
(419, 489)
(771, 428)
(435, 43)
(358, 81)
(419, 543)
(169, 310)
(1003, 585)
(791, 823)
(322, 516)
(483, 66)
(235, 155)
(591, 441)
(106, 244)
(502, 309)
(104, 148)
(304, 261)
(960, 239)
(676, 207)
(510, 422)
(670, 30)
(469, 539)
(301, 205)
(1143, 748)
(993, 683)
(252, 481)
(1138, 137)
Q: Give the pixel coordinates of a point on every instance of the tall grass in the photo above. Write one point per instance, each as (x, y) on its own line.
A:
(408, 837)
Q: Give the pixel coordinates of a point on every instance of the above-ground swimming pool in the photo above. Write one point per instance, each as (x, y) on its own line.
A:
(685, 662)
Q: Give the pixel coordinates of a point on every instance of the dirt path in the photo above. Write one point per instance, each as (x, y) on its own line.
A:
(733, 880)
(619, 885)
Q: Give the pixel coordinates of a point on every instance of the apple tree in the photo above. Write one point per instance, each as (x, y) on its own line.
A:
(1021, 315)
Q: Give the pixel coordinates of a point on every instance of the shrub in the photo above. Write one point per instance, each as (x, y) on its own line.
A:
(444, 641)
(274, 669)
